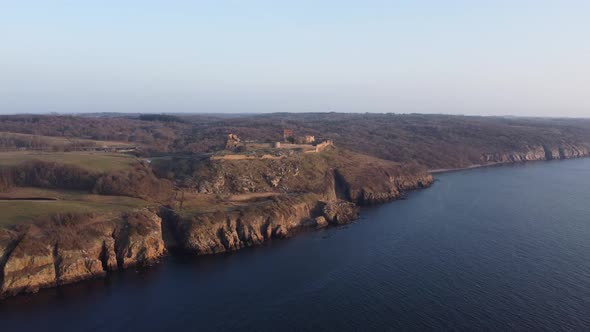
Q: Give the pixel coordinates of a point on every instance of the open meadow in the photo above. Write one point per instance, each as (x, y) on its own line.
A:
(28, 204)
(90, 161)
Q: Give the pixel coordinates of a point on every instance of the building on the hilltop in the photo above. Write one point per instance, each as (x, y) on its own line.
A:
(232, 142)
(322, 146)
(288, 135)
(307, 139)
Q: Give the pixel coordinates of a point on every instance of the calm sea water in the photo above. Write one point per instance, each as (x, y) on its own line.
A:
(493, 249)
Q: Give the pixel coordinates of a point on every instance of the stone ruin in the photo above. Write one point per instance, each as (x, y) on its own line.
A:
(232, 142)
(307, 139)
(322, 146)
(288, 134)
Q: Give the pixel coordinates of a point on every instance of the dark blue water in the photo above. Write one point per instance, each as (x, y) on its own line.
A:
(493, 249)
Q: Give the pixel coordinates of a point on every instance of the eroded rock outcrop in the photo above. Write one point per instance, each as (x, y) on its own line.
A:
(8, 240)
(222, 231)
(71, 248)
(539, 152)
(83, 251)
(340, 212)
(378, 186)
(31, 264)
(138, 239)
(307, 192)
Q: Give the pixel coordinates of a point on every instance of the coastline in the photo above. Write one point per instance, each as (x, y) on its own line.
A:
(46, 255)
(448, 170)
(500, 163)
(321, 264)
(118, 245)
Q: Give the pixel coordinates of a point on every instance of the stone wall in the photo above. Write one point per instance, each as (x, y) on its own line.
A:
(322, 146)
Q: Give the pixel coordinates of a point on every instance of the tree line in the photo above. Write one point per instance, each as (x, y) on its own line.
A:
(138, 181)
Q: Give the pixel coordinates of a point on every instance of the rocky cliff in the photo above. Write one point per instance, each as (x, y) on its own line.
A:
(334, 173)
(378, 186)
(538, 152)
(72, 248)
(223, 231)
(308, 191)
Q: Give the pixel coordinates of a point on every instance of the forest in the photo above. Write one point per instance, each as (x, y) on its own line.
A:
(436, 141)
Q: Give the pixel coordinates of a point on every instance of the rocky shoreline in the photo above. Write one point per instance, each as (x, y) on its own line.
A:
(64, 251)
(538, 153)
(70, 249)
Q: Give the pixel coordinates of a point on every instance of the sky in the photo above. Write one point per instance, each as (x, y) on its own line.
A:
(480, 57)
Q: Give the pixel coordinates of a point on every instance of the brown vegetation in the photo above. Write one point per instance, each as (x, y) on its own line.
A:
(136, 182)
(46, 175)
(213, 204)
(435, 141)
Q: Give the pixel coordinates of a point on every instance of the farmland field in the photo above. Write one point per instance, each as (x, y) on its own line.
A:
(18, 211)
(91, 161)
(61, 141)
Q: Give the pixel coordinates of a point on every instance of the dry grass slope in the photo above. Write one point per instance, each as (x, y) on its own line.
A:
(90, 161)
(19, 211)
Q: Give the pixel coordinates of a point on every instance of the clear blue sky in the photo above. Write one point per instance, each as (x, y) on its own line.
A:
(491, 57)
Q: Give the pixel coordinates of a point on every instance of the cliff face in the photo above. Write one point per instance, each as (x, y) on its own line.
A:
(64, 251)
(333, 183)
(539, 152)
(138, 240)
(338, 212)
(333, 173)
(30, 265)
(223, 231)
(307, 192)
(379, 186)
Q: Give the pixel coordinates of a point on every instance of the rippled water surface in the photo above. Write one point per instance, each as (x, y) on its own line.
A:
(493, 248)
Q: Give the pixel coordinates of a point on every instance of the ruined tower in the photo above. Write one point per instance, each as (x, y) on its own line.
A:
(232, 142)
(288, 134)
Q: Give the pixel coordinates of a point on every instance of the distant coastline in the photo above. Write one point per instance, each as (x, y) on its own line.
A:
(447, 170)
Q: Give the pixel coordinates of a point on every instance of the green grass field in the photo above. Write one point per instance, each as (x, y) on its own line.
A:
(91, 161)
(14, 212)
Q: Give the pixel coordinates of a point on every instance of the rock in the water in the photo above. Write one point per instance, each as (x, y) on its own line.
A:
(340, 212)
(320, 222)
(281, 231)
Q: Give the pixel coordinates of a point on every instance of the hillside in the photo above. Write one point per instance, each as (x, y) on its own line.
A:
(74, 214)
(435, 141)
(67, 222)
